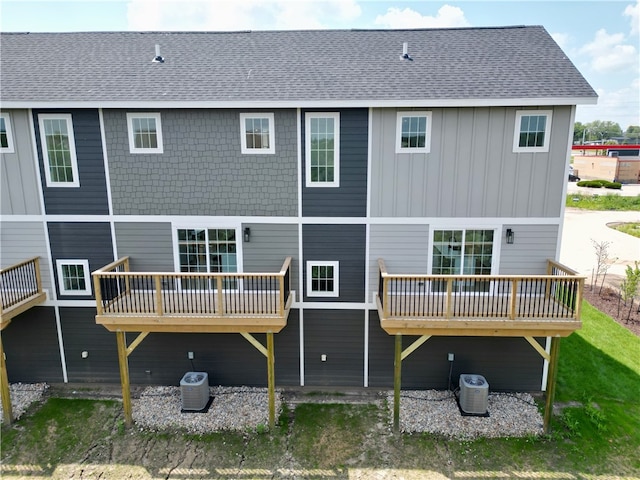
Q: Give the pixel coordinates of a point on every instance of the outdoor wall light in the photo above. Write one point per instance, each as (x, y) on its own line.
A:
(510, 236)
(247, 234)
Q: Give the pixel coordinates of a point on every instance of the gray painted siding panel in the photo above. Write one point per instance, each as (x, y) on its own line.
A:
(342, 243)
(31, 346)
(80, 241)
(350, 198)
(339, 334)
(22, 240)
(508, 364)
(533, 245)
(19, 184)
(202, 170)
(270, 244)
(149, 246)
(404, 249)
(91, 197)
(471, 170)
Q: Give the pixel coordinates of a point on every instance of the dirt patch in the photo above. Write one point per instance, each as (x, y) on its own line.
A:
(608, 301)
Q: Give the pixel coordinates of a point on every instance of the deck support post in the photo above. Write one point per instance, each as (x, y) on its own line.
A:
(124, 377)
(5, 393)
(397, 370)
(551, 382)
(271, 380)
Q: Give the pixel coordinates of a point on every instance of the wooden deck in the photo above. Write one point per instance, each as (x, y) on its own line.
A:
(481, 305)
(20, 289)
(183, 302)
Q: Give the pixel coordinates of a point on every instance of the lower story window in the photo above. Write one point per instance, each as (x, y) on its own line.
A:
(73, 277)
(211, 250)
(322, 279)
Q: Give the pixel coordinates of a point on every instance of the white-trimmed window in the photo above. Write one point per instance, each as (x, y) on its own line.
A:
(58, 150)
(257, 133)
(6, 136)
(145, 132)
(74, 277)
(322, 279)
(322, 150)
(532, 131)
(413, 132)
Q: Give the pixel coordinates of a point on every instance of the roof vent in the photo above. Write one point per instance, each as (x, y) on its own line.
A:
(405, 52)
(158, 58)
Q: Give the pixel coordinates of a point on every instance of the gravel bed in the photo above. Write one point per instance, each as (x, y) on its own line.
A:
(232, 408)
(23, 395)
(436, 411)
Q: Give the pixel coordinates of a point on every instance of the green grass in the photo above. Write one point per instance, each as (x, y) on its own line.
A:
(632, 229)
(603, 201)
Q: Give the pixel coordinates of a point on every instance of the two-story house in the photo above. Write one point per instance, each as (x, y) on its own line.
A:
(336, 198)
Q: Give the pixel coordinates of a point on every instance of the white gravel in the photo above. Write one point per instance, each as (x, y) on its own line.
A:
(23, 395)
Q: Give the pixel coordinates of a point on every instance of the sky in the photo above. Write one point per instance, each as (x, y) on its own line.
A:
(602, 38)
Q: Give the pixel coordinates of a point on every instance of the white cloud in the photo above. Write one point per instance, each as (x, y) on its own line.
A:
(562, 39)
(447, 16)
(609, 53)
(633, 11)
(621, 106)
(226, 15)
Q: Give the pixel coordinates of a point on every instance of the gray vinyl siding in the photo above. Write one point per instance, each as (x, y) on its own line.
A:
(90, 198)
(508, 364)
(268, 247)
(471, 170)
(338, 334)
(19, 184)
(20, 241)
(80, 241)
(31, 347)
(532, 246)
(149, 246)
(342, 243)
(350, 198)
(202, 170)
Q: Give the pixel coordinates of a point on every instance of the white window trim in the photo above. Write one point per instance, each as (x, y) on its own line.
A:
(7, 125)
(72, 148)
(547, 131)
(497, 243)
(243, 134)
(87, 277)
(155, 115)
(336, 278)
(427, 141)
(307, 149)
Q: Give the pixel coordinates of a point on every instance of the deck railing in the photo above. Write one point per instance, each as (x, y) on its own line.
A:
(556, 295)
(19, 283)
(122, 292)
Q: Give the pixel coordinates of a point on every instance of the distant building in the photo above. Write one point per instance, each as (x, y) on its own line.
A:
(617, 166)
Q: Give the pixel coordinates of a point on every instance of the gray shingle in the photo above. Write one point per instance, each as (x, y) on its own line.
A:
(275, 66)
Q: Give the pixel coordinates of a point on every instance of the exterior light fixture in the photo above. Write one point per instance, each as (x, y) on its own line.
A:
(510, 236)
(247, 234)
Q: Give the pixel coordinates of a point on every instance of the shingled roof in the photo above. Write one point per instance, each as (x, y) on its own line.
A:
(492, 66)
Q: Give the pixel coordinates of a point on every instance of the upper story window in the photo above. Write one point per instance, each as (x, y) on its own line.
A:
(58, 150)
(322, 279)
(322, 150)
(74, 277)
(145, 132)
(532, 131)
(413, 132)
(257, 133)
(6, 138)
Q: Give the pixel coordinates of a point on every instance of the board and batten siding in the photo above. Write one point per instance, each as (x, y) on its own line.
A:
(202, 170)
(148, 245)
(471, 170)
(19, 183)
(532, 247)
(20, 241)
(80, 241)
(268, 247)
(350, 198)
(90, 198)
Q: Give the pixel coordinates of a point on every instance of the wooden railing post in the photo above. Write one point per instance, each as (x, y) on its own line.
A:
(158, 287)
(513, 299)
(449, 297)
(219, 295)
(578, 308)
(36, 265)
(98, 293)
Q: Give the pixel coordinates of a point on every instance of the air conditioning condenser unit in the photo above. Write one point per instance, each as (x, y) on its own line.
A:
(474, 394)
(194, 390)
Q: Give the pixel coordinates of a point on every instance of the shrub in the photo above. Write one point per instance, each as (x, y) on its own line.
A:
(600, 184)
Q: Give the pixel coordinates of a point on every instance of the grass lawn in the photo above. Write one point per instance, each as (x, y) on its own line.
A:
(595, 434)
(603, 201)
(632, 229)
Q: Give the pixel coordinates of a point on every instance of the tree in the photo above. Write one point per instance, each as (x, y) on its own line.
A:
(632, 134)
(602, 130)
(578, 132)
